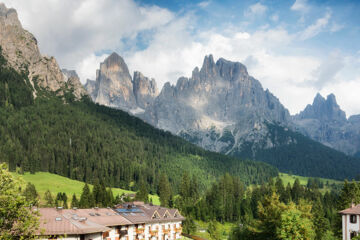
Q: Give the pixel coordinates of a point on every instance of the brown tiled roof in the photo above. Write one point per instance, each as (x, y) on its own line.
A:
(59, 222)
(147, 211)
(351, 210)
(103, 216)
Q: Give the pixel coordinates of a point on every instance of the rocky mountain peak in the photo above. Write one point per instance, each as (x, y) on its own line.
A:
(21, 51)
(324, 121)
(323, 109)
(209, 69)
(73, 81)
(115, 63)
(9, 15)
(114, 85)
(231, 70)
(145, 90)
(318, 100)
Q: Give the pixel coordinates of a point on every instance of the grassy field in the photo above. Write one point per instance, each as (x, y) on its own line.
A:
(44, 181)
(223, 230)
(328, 183)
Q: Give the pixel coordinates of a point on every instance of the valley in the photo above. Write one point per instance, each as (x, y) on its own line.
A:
(214, 155)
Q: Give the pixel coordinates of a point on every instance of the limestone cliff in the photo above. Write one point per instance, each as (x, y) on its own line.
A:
(324, 121)
(218, 108)
(22, 53)
(115, 87)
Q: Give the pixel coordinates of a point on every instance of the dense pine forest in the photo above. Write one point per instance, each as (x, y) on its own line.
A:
(267, 211)
(88, 142)
(294, 153)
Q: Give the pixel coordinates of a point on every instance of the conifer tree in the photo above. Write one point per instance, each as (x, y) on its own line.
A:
(48, 199)
(31, 194)
(321, 224)
(64, 200)
(164, 190)
(143, 193)
(185, 186)
(86, 198)
(74, 202)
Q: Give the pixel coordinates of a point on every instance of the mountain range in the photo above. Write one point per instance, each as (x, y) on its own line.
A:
(220, 108)
(48, 123)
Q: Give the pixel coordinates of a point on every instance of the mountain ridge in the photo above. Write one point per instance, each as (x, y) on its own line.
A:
(222, 108)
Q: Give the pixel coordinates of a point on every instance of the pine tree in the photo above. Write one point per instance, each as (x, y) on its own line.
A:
(98, 194)
(48, 199)
(143, 193)
(321, 224)
(296, 191)
(86, 198)
(64, 200)
(185, 186)
(31, 194)
(74, 202)
(164, 190)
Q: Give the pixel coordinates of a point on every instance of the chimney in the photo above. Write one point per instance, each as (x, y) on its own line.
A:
(352, 204)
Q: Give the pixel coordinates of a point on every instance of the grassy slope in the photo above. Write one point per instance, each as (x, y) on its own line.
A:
(223, 230)
(44, 181)
(289, 178)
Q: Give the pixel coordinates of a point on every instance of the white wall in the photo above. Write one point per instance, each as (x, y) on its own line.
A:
(349, 227)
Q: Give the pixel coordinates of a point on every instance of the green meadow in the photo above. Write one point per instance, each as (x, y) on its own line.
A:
(44, 181)
(328, 183)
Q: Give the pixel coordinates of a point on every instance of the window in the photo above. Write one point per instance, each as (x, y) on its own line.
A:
(353, 218)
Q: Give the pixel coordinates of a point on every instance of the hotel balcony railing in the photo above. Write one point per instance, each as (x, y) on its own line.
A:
(153, 232)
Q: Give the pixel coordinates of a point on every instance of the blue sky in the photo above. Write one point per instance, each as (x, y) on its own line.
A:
(295, 48)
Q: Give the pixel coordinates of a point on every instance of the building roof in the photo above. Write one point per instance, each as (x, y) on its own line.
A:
(60, 221)
(354, 209)
(55, 221)
(103, 216)
(139, 212)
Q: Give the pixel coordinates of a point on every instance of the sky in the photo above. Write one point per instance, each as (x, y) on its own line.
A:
(295, 48)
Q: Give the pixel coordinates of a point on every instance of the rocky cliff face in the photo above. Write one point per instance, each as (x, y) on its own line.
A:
(20, 49)
(218, 108)
(145, 90)
(90, 87)
(325, 122)
(222, 108)
(73, 82)
(115, 87)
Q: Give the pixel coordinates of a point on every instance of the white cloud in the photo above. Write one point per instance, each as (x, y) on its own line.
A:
(300, 5)
(256, 9)
(73, 30)
(204, 4)
(327, 72)
(336, 27)
(316, 28)
(274, 18)
(86, 67)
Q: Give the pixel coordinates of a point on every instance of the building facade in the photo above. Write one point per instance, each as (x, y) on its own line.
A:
(129, 221)
(350, 222)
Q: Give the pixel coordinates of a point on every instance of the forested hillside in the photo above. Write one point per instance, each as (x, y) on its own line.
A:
(294, 153)
(85, 141)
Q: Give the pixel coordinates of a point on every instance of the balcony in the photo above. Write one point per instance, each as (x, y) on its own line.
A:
(166, 231)
(139, 230)
(153, 232)
(178, 229)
